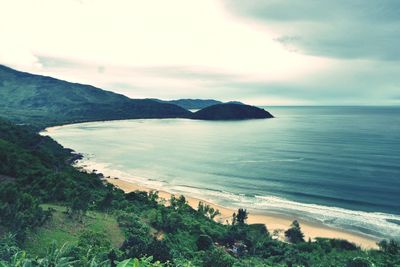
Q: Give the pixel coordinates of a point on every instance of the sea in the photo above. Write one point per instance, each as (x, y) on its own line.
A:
(339, 166)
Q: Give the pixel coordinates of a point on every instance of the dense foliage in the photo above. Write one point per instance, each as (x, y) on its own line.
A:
(38, 187)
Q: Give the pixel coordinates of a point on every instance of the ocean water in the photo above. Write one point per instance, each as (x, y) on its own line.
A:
(336, 165)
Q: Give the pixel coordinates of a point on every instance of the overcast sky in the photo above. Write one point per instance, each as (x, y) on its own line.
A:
(266, 52)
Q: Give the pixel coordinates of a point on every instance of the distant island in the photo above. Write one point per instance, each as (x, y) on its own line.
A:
(42, 101)
(231, 112)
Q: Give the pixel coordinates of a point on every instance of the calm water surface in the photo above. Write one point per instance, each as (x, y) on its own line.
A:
(336, 165)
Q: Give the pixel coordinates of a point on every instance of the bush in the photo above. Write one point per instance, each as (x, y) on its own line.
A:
(18, 210)
(135, 246)
(159, 250)
(8, 247)
(359, 262)
(218, 258)
(204, 242)
(96, 243)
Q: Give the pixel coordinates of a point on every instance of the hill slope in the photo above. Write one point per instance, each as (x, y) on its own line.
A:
(231, 112)
(191, 103)
(41, 100)
(196, 103)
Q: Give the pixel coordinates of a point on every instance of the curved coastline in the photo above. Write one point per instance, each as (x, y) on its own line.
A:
(274, 221)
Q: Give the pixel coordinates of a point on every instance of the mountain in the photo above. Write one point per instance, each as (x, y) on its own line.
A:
(42, 101)
(231, 112)
(235, 102)
(191, 103)
(196, 103)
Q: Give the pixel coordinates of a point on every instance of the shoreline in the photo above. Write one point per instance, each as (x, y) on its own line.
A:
(274, 222)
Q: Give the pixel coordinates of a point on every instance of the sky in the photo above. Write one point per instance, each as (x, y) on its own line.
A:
(262, 52)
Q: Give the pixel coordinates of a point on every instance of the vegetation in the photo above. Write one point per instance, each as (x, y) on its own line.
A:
(231, 112)
(44, 101)
(52, 214)
(41, 101)
(294, 234)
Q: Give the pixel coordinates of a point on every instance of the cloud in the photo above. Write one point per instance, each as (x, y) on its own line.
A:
(19, 56)
(53, 62)
(341, 29)
(261, 52)
(147, 33)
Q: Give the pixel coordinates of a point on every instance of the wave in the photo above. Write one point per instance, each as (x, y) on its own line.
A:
(107, 169)
(375, 224)
(265, 161)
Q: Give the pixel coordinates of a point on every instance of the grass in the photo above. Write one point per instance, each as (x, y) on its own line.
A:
(61, 229)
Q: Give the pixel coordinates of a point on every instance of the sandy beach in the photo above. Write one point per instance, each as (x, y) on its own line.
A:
(274, 222)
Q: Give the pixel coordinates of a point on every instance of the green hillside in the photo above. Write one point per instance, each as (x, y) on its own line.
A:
(41, 100)
(60, 228)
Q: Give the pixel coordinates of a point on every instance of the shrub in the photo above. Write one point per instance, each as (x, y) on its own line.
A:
(218, 257)
(204, 242)
(96, 243)
(359, 262)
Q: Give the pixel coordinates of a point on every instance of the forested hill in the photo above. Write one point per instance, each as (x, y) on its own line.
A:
(40, 100)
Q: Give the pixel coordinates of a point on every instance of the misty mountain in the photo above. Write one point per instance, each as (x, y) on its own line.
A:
(196, 103)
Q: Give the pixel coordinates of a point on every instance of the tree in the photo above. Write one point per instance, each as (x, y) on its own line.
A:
(79, 203)
(204, 242)
(19, 210)
(207, 210)
(106, 203)
(391, 247)
(153, 196)
(294, 234)
(212, 213)
(242, 216)
(181, 202)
